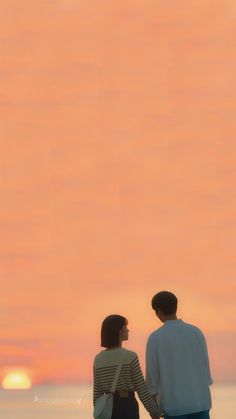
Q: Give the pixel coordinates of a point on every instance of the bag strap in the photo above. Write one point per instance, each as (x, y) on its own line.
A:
(114, 383)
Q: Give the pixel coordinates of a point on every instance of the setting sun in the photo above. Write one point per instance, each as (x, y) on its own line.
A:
(16, 380)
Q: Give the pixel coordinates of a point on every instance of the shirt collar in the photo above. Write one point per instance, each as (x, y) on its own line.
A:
(169, 322)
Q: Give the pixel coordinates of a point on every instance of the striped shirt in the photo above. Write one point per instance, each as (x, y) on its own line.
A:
(130, 378)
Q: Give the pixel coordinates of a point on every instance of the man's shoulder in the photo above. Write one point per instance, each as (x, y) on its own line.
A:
(155, 335)
(188, 327)
(193, 331)
(192, 328)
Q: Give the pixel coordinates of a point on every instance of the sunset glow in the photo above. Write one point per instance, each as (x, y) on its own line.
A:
(117, 177)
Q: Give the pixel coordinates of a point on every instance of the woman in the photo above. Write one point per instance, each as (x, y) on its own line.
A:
(125, 406)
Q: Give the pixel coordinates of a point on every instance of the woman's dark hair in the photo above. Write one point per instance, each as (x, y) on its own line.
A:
(110, 331)
(166, 302)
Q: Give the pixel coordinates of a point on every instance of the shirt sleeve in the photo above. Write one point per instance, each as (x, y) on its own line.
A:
(142, 389)
(152, 371)
(206, 359)
(97, 392)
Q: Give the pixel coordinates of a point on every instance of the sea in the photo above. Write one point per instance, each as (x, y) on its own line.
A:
(75, 402)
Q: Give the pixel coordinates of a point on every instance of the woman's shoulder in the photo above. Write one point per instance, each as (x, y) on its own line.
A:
(131, 354)
(104, 355)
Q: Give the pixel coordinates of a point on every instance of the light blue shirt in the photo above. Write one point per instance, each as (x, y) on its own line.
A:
(177, 368)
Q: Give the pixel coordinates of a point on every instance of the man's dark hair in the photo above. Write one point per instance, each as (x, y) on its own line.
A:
(110, 331)
(166, 302)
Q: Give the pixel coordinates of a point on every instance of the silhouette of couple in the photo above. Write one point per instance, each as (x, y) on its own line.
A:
(177, 367)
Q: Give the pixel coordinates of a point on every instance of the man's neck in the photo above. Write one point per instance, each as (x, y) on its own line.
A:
(173, 317)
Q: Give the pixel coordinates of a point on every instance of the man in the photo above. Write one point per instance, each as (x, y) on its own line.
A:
(177, 365)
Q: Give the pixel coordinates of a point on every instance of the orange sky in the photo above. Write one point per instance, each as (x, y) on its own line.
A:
(117, 176)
